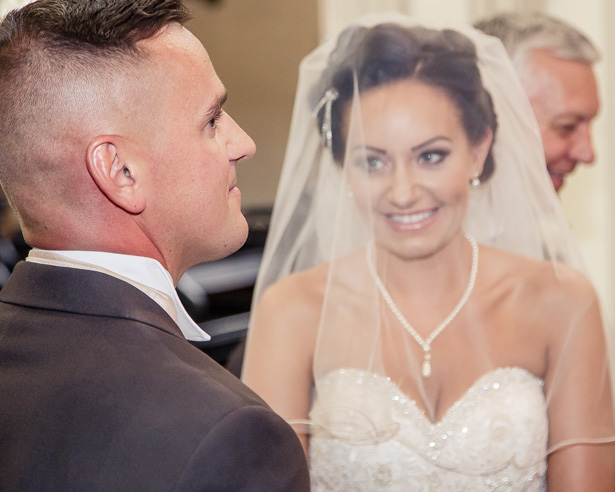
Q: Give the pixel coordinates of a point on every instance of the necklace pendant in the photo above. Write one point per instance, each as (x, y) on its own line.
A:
(425, 344)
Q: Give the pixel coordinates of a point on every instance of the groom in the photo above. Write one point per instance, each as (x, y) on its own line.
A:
(119, 160)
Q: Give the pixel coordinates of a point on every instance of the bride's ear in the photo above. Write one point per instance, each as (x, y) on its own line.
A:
(480, 150)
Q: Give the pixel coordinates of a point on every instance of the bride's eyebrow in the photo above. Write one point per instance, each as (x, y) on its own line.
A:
(429, 142)
(418, 147)
(377, 150)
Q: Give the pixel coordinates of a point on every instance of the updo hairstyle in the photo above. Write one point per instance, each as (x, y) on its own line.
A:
(387, 53)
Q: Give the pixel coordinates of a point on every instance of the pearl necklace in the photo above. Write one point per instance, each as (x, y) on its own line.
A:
(425, 344)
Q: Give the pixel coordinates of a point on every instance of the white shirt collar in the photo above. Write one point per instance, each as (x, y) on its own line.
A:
(137, 270)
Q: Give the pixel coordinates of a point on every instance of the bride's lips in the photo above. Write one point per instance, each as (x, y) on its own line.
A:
(411, 220)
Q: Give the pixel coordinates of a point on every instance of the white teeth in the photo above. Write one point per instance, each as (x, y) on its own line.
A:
(411, 218)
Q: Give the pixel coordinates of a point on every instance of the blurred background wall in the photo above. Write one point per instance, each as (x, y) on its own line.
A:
(256, 47)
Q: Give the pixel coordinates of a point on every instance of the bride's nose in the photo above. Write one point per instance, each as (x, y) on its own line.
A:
(404, 188)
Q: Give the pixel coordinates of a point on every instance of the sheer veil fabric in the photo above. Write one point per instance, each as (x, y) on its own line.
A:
(323, 218)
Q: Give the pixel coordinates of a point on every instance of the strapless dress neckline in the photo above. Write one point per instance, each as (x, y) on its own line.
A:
(369, 435)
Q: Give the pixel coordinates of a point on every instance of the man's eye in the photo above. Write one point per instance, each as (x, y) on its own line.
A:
(566, 129)
(213, 123)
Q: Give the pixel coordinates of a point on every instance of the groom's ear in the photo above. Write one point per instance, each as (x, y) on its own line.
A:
(107, 163)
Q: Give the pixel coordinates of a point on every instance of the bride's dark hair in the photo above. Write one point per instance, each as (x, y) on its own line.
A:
(387, 53)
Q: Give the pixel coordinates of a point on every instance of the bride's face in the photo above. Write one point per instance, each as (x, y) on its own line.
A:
(414, 170)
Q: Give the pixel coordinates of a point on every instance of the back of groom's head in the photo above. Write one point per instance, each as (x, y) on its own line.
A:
(57, 60)
(101, 105)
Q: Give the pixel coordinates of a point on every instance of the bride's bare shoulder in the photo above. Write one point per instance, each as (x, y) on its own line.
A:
(307, 287)
(300, 286)
(298, 296)
(551, 285)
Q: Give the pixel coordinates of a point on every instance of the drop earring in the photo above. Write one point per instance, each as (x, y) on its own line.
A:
(475, 181)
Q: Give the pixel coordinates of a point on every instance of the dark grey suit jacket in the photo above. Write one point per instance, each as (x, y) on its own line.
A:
(99, 391)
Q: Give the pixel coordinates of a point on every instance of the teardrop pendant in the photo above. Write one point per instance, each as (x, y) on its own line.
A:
(427, 366)
(424, 343)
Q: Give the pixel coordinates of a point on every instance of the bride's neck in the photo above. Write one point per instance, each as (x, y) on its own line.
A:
(436, 277)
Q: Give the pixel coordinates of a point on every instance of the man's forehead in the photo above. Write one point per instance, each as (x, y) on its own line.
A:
(565, 69)
(173, 41)
(183, 73)
(175, 49)
(568, 84)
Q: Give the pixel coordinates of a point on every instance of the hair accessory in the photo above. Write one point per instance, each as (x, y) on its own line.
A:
(426, 344)
(326, 101)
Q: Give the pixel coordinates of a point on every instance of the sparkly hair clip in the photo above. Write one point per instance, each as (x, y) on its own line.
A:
(326, 101)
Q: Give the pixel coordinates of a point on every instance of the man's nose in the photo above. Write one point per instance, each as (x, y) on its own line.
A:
(582, 149)
(240, 145)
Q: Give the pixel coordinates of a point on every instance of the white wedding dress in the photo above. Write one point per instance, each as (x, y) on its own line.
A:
(493, 438)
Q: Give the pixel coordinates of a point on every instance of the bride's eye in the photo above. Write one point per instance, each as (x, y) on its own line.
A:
(433, 156)
(371, 164)
(374, 164)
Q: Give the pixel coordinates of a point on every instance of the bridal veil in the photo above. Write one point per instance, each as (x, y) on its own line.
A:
(317, 220)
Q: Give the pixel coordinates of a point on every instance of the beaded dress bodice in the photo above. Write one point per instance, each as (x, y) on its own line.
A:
(369, 436)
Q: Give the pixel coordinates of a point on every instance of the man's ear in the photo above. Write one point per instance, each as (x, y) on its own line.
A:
(115, 177)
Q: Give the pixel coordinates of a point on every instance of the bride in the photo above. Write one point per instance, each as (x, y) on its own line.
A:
(420, 317)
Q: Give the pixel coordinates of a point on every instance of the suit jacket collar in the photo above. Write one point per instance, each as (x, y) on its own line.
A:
(83, 292)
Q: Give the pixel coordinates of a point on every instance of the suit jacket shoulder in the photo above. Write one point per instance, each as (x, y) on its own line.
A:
(104, 393)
